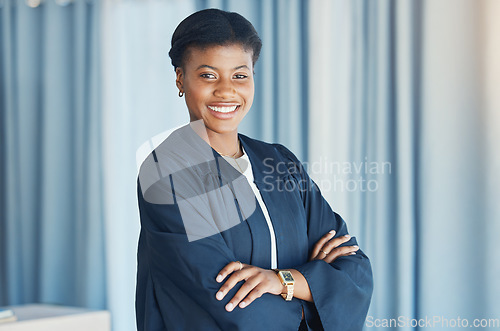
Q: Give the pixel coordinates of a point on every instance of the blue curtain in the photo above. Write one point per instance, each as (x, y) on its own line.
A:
(385, 127)
(51, 224)
(418, 78)
(407, 90)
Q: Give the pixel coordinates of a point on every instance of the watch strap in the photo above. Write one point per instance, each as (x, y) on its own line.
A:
(289, 287)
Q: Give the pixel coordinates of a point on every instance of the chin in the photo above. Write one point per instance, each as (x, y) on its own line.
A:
(221, 126)
(224, 129)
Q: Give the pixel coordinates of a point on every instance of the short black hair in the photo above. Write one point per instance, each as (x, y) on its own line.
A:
(210, 27)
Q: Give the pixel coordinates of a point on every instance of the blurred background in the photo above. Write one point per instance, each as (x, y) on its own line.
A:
(393, 105)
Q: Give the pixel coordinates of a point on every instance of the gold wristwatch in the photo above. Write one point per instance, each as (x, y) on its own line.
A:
(286, 280)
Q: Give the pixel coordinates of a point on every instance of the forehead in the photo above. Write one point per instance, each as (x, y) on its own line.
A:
(218, 56)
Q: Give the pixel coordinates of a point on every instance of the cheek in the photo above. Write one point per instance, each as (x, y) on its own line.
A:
(248, 90)
(197, 92)
(249, 95)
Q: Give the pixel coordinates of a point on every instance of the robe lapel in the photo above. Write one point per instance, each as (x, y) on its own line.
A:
(290, 226)
(257, 224)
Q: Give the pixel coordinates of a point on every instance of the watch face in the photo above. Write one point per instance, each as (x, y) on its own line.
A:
(287, 276)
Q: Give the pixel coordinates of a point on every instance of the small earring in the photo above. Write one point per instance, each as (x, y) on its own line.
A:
(181, 94)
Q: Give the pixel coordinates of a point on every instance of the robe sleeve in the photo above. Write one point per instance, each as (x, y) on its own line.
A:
(176, 284)
(341, 290)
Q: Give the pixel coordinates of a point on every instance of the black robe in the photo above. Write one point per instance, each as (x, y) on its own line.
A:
(177, 266)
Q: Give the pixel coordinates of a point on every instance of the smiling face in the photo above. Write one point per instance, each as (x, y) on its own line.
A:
(218, 85)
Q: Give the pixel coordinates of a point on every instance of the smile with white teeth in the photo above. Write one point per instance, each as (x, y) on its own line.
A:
(223, 109)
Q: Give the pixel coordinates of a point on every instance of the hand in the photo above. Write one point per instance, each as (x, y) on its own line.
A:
(327, 248)
(257, 282)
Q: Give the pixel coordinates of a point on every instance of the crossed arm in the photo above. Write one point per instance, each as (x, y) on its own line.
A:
(259, 281)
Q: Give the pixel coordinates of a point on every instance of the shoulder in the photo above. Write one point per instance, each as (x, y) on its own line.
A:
(274, 155)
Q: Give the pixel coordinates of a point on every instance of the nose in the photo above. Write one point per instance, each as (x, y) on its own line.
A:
(224, 89)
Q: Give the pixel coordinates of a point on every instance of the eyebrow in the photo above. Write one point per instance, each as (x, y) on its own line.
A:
(214, 68)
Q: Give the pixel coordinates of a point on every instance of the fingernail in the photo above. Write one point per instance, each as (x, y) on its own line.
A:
(219, 278)
(355, 247)
(229, 307)
(219, 295)
(347, 236)
(243, 304)
(332, 231)
(353, 253)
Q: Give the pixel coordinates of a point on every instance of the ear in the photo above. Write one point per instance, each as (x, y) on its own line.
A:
(179, 81)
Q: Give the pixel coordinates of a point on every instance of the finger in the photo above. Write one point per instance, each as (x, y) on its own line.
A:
(317, 247)
(335, 242)
(321, 255)
(228, 269)
(330, 245)
(341, 251)
(256, 293)
(249, 286)
(235, 277)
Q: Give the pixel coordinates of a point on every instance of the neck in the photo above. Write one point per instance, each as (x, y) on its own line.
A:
(226, 144)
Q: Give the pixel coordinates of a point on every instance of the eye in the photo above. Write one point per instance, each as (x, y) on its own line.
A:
(240, 76)
(208, 76)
